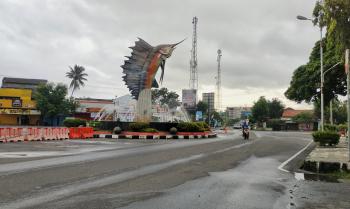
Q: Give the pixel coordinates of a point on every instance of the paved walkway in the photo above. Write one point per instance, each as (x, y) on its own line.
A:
(338, 154)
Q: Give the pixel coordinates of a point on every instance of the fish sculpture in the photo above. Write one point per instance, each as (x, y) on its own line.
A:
(141, 67)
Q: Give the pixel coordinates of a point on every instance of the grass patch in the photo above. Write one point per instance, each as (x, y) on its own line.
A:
(341, 175)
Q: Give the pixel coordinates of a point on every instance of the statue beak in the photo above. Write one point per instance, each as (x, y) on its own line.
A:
(173, 45)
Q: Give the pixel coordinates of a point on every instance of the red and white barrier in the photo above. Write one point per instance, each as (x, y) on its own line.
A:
(19, 134)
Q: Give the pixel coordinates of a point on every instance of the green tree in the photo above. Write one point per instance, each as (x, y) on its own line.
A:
(276, 108)
(305, 82)
(260, 110)
(51, 100)
(165, 97)
(78, 77)
(304, 117)
(339, 112)
(337, 13)
(202, 106)
(217, 116)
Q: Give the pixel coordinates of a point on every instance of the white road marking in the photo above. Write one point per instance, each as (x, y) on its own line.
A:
(75, 188)
(291, 158)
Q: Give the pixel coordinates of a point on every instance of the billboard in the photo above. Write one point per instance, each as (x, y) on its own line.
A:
(199, 116)
(189, 98)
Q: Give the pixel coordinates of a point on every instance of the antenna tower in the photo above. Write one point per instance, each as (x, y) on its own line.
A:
(193, 61)
(218, 82)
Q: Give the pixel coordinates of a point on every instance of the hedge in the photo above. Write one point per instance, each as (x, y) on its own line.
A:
(149, 130)
(329, 127)
(193, 127)
(74, 122)
(326, 137)
(138, 126)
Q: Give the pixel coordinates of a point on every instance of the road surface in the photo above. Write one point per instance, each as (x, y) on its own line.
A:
(225, 172)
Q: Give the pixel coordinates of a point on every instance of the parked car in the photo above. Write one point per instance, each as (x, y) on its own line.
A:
(237, 126)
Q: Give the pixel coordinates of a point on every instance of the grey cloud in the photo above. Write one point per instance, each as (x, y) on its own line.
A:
(262, 42)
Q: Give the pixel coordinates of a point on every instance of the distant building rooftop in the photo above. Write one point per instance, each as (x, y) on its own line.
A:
(290, 112)
(21, 83)
(93, 100)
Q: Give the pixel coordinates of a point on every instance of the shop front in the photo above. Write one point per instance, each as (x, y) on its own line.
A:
(17, 107)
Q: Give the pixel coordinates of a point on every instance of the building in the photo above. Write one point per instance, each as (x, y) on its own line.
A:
(288, 115)
(209, 99)
(122, 108)
(90, 108)
(238, 112)
(189, 99)
(17, 106)
(22, 83)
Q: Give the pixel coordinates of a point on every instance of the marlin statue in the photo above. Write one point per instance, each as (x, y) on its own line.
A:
(141, 67)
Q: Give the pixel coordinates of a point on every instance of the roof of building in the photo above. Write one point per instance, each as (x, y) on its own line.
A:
(93, 100)
(23, 81)
(290, 112)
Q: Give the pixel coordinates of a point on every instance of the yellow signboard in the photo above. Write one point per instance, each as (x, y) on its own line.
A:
(19, 112)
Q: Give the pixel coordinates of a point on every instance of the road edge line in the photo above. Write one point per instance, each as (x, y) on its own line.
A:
(280, 167)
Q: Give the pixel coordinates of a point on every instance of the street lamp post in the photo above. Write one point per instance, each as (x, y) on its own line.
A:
(299, 17)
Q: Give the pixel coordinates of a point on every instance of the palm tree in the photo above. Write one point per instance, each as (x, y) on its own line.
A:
(78, 77)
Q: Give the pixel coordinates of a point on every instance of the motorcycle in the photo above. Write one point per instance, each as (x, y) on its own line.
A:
(246, 133)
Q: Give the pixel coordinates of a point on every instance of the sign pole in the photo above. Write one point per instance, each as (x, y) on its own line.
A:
(348, 94)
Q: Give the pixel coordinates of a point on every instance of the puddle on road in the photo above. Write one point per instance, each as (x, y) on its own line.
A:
(315, 177)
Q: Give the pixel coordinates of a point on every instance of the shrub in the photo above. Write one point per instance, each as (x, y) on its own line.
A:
(342, 127)
(326, 137)
(96, 125)
(117, 130)
(149, 130)
(329, 127)
(74, 122)
(275, 124)
(203, 125)
(173, 130)
(192, 127)
(138, 126)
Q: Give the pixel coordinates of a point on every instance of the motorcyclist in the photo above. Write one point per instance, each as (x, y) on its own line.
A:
(245, 125)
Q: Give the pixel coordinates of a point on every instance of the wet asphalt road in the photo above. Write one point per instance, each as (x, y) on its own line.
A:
(226, 172)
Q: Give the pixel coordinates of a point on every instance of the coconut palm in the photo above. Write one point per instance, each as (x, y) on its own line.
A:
(78, 77)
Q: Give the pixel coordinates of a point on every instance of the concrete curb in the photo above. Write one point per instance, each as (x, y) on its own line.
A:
(289, 161)
(31, 140)
(150, 136)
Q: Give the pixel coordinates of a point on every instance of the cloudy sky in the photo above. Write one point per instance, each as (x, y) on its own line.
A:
(261, 40)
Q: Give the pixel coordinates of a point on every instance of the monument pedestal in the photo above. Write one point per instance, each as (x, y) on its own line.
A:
(144, 106)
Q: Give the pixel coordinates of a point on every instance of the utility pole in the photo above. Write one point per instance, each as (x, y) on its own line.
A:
(347, 52)
(218, 81)
(331, 112)
(193, 61)
(320, 23)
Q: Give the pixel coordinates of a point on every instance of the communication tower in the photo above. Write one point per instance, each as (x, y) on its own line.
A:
(193, 61)
(218, 82)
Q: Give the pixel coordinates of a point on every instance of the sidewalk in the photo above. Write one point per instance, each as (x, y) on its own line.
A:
(328, 159)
